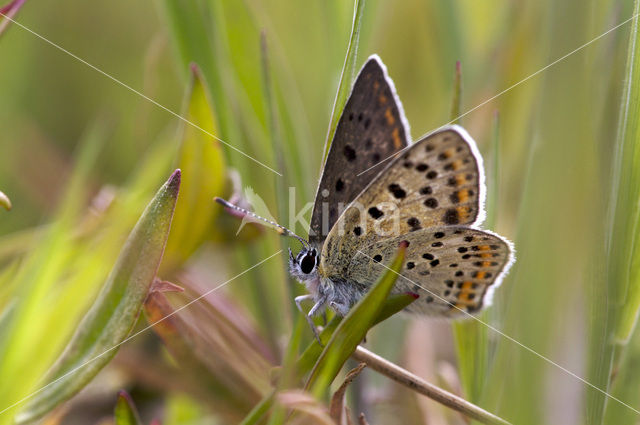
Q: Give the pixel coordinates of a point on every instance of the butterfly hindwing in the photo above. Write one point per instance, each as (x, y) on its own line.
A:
(371, 128)
(453, 269)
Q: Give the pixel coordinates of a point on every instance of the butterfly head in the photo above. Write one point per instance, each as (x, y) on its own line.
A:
(304, 266)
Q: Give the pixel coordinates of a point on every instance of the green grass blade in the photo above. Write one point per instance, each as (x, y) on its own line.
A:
(394, 304)
(204, 175)
(493, 175)
(114, 313)
(309, 357)
(625, 386)
(471, 337)
(353, 329)
(625, 228)
(623, 249)
(457, 95)
(346, 78)
(194, 43)
(125, 412)
(259, 410)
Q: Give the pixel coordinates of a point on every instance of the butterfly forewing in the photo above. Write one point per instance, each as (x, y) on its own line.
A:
(437, 181)
(451, 268)
(372, 128)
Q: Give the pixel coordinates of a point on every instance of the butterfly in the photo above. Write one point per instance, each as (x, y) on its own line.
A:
(429, 194)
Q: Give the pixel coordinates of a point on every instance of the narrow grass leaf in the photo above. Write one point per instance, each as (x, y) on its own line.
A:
(259, 410)
(623, 249)
(193, 41)
(471, 337)
(204, 175)
(457, 94)
(626, 227)
(346, 78)
(125, 412)
(353, 329)
(337, 399)
(114, 313)
(393, 304)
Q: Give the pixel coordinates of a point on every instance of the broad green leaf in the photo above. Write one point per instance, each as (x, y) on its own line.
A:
(346, 78)
(114, 313)
(202, 162)
(125, 412)
(353, 329)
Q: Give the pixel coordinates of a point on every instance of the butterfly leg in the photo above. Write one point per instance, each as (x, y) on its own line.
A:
(341, 309)
(321, 302)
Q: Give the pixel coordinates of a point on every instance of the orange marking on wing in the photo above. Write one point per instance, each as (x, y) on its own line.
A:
(484, 247)
(389, 116)
(397, 142)
(376, 85)
(456, 164)
(463, 212)
(480, 275)
(486, 255)
(463, 195)
(486, 264)
(382, 99)
(460, 179)
(448, 153)
(464, 296)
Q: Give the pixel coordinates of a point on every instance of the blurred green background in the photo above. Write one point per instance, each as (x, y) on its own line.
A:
(561, 174)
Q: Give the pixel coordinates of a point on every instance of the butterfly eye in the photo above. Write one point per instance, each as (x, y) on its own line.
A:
(307, 264)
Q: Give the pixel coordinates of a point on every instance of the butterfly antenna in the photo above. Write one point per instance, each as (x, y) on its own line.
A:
(280, 228)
